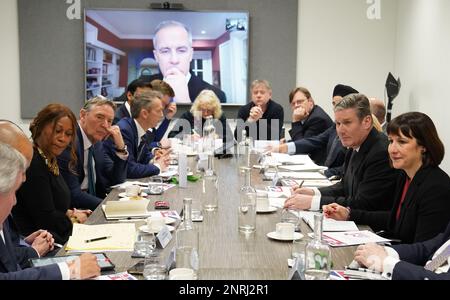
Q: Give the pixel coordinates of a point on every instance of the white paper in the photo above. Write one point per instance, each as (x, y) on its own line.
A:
(182, 170)
(329, 224)
(164, 236)
(262, 146)
(350, 238)
(302, 175)
(302, 168)
(299, 159)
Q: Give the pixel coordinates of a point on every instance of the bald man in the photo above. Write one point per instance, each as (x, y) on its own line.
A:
(379, 110)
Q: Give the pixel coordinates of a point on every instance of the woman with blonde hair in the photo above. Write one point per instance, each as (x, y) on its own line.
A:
(206, 104)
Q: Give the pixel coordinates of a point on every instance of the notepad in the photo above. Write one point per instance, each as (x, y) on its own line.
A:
(328, 224)
(122, 237)
(126, 209)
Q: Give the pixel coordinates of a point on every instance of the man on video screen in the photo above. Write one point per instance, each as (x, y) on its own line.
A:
(173, 51)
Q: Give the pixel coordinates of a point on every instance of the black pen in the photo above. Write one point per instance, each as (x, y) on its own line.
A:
(97, 239)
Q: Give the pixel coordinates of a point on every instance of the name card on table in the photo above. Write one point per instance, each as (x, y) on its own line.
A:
(163, 237)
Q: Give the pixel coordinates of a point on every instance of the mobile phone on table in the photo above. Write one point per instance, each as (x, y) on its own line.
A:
(137, 269)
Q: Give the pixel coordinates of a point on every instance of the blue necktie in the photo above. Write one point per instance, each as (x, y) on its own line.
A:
(90, 167)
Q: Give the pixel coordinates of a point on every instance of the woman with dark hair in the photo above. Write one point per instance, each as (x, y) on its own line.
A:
(422, 199)
(43, 200)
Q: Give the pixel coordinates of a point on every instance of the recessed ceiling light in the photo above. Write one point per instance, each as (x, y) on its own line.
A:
(203, 32)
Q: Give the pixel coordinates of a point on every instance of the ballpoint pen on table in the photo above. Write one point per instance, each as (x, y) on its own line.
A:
(97, 239)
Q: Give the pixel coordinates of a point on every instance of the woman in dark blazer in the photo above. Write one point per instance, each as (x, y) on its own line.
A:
(43, 200)
(422, 199)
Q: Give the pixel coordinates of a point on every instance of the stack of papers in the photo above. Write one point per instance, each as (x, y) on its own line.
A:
(302, 168)
(126, 209)
(263, 146)
(302, 175)
(350, 238)
(104, 237)
(329, 224)
(286, 159)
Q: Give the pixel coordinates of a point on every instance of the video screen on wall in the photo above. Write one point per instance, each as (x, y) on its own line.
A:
(190, 50)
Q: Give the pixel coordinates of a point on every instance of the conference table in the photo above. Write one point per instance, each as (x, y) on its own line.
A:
(224, 252)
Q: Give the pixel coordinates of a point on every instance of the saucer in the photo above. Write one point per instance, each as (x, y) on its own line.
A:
(275, 236)
(144, 228)
(124, 195)
(268, 209)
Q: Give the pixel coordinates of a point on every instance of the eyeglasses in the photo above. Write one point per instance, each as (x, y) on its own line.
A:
(298, 101)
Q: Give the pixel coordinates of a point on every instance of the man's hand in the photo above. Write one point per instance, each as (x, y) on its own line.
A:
(303, 191)
(114, 132)
(177, 80)
(299, 114)
(84, 267)
(30, 239)
(42, 243)
(298, 201)
(336, 212)
(171, 110)
(256, 113)
(165, 143)
(371, 255)
(282, 148)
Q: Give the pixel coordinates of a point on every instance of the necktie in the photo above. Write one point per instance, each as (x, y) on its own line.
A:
(90, 167)
(330, 155)
(141, 148)
(438, 260)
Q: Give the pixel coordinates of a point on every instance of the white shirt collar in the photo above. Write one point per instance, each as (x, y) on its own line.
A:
(188, 77)
(128, 107)
(140, 130)
(86, 142)
(2, 236)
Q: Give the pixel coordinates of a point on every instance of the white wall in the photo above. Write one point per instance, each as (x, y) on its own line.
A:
(422, 60)
(9, 64)
(339, 44)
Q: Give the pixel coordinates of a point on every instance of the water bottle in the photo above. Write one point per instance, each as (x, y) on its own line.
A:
(244, 152)
(210, 186)
(187, 240)
(317, 254)
(209, 135)
(247, 205)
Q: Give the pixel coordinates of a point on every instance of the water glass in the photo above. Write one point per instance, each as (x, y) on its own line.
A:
(156, 185)
(247, 212)
(298, 250)
(154, 268)
(144, 244)
(291, 216)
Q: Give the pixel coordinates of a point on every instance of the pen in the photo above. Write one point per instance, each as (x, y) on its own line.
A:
(97, 239)
(363, 270)
(57, 245)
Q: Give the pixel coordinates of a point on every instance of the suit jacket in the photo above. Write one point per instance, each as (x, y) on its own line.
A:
(369, 181)
(195, 86)
(320, 147)
(274, 112)
(121, 113)
(424, 213)
(317, 122)
(414, 257)
(11, 256)
(138, 158)
(25, 251)
(46, 209)
(108, 171)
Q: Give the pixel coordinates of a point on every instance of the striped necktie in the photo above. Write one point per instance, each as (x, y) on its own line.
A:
(90, 167)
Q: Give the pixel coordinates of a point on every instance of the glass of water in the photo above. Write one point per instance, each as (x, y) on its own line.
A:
(154, 267)
(144, 244)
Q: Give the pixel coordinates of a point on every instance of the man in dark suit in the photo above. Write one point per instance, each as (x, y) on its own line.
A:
(95, 171)
(326, 148)
(173, 51)
(419, 261)
(308, 119)
(147, 111)
(369, 181)
(262, 118)
(12, 257)
(135, 87)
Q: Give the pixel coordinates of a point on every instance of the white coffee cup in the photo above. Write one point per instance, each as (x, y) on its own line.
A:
(285, 230)
(155, 223)
(181, 274)
(132, 190)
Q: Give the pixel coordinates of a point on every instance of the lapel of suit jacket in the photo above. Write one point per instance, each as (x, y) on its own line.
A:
(7, 255)
(80, 154)
(411, 194)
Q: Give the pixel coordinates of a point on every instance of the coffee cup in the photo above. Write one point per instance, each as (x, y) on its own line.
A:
(155, 223)
(181, 274)
(132, 190)
(285, 230)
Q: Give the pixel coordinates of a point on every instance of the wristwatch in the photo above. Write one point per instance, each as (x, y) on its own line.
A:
(123, 151)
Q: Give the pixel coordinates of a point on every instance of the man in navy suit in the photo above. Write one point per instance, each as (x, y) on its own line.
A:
(173, 51)
(326, 148)
(419, 261)
(95, 171)
(146, 112)
(12, 172)
(366, 166)
(135, 87)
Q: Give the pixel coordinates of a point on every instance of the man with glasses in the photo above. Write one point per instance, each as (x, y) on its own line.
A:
(95, 171)
(308, 119)
(173, 51)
